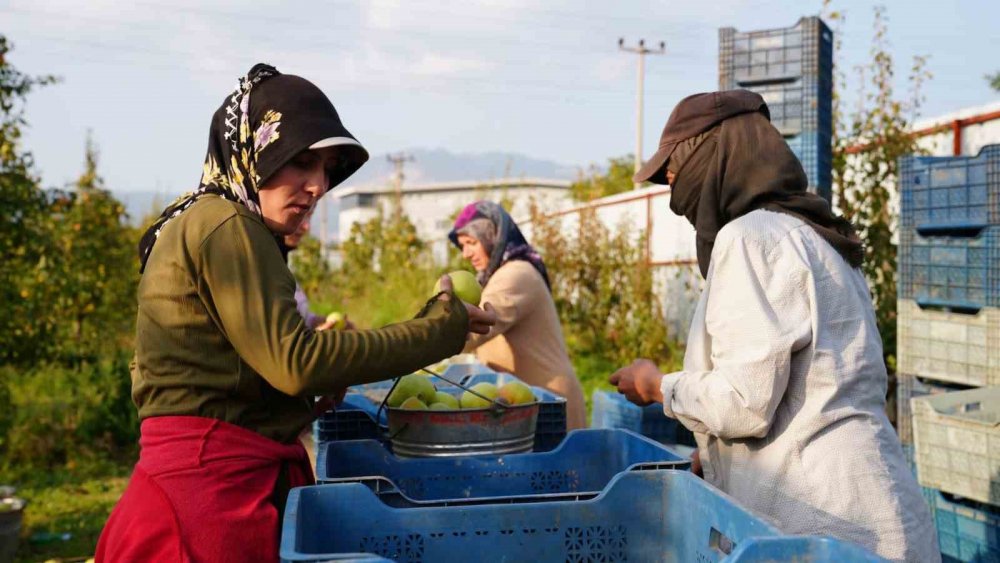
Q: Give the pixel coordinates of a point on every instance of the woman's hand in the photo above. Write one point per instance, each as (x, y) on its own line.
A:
(327, 402)
(328, 324)
(480, 320)
(639, 382)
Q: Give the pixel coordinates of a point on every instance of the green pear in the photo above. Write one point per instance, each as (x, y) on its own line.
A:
(466, 286)
(338, 319)
(440, 407)
(412, 385)
(446, 398)
(471, 401)
(516, 393)
(413, 404)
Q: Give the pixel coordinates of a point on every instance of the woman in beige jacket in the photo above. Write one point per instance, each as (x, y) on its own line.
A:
(527, 339)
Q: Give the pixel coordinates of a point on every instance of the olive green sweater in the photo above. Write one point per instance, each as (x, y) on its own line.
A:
(218, 334)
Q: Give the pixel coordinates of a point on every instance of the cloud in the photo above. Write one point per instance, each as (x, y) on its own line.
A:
(431, 64)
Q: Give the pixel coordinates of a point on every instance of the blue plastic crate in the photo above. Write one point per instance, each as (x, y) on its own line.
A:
(613, 410)
(641, 516)
(967, 530)
(792, 69)
(950, 191)
(958, 269)
(584, 463)
(815, 151)
(346, 424)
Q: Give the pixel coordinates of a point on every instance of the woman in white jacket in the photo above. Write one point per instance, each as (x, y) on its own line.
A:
(783, 382)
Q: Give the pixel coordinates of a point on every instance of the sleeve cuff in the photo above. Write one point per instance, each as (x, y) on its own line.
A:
(667, 385)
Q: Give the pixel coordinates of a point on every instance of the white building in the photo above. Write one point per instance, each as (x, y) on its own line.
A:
(431, 207)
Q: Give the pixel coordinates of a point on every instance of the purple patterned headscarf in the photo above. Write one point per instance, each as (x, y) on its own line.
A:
(507, 241)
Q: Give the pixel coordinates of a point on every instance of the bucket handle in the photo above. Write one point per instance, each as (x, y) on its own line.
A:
(497, 407)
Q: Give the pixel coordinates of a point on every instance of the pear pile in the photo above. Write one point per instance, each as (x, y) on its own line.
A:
(417, 392)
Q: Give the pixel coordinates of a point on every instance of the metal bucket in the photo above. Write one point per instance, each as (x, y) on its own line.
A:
(506, 430)
(11, 514)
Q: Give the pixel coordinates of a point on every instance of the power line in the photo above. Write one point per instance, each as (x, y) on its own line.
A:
(477, 85)
(568, 48)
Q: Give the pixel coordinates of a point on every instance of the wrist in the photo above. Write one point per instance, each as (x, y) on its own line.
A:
(652, 391)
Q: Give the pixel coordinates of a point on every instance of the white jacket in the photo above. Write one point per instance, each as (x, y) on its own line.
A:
(784, 386)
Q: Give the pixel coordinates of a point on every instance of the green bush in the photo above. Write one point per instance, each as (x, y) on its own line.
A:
(67, 418)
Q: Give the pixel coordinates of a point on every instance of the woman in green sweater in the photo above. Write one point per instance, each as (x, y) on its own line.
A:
(226, 371)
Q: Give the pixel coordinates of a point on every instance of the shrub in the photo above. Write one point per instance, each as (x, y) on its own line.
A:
(66, 417)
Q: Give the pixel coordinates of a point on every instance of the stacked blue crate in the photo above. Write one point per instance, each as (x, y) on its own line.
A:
(967, 530)
(792, 68)
(949, 267)
(948, 191)
(949, 317)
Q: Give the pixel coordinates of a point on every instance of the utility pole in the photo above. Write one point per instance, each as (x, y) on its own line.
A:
(399, 160)
(642, 51)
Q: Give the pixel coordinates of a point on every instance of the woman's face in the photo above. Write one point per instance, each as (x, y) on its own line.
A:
(293, 240)
(473, 251)
(288, 197)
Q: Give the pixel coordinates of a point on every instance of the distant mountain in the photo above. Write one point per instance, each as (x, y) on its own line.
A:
(440, 165)
(428, 165)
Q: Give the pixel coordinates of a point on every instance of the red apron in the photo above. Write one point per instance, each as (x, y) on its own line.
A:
(201, 492)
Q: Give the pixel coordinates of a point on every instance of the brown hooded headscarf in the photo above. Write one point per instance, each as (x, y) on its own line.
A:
(731, 161)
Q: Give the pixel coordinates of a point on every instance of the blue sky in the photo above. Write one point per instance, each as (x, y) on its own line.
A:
(538, 78)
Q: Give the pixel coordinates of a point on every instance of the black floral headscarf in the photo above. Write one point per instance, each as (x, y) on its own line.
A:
(251, 138)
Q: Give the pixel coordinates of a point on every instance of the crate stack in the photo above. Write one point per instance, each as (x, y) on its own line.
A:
(948, 347)
(792, 68)
(601, 495)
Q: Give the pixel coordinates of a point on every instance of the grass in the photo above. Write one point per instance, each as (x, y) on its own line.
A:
(67, 503)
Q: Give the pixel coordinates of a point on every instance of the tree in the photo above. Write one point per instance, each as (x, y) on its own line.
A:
(994, 80)
(94, 273)
(601, 183)
(24, 327)
(386, 273)
(311, 269)
(603, 288)
(867, 145)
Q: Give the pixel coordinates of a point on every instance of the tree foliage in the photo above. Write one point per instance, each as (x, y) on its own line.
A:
(67, 298)
(94, 272)
(603, 287)
(994, 81)
(598, 183)
(310, 266)
(867, 145)
(23, 223)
